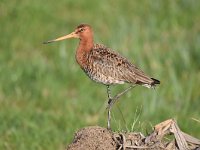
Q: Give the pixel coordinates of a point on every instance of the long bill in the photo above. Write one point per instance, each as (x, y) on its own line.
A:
(71, 35)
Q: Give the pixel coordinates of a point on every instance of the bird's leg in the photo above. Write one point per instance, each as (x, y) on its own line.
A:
(116, 97)
(109, 108)
(111, 101)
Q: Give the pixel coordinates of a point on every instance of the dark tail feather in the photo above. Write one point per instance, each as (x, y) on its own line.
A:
(155, 81)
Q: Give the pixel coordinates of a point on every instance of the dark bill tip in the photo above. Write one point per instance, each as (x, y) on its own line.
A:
(47, 42)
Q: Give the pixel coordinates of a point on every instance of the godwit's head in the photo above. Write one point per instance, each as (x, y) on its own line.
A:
(83, 32)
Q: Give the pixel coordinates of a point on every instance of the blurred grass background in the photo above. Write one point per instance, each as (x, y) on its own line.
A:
(44, 95)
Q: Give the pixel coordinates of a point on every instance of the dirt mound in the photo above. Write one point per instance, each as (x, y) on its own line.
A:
(98, 138)
(93, 138)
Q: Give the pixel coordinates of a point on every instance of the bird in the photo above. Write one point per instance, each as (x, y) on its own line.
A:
(106, 66)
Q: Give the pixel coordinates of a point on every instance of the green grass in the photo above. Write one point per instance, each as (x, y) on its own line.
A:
(44, 95)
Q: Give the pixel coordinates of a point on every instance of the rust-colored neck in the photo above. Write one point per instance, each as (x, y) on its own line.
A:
(85, 46)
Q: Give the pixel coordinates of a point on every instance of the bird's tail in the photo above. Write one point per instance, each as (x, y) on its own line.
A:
(155, 81)
(153, 84)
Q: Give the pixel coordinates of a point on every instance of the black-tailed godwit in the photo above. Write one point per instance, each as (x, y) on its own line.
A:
(106, 66)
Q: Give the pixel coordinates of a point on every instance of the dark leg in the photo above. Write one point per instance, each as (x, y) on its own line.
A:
(111, 101)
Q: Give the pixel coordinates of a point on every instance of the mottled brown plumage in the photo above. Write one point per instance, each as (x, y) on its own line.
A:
(105, 66)
(108, 67)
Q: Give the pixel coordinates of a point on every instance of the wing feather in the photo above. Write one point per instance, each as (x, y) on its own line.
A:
(111, 67)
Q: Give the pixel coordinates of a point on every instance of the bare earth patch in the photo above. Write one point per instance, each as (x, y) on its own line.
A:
(98, 138)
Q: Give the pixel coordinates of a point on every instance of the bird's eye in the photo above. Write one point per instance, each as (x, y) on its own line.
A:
(81, 30)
